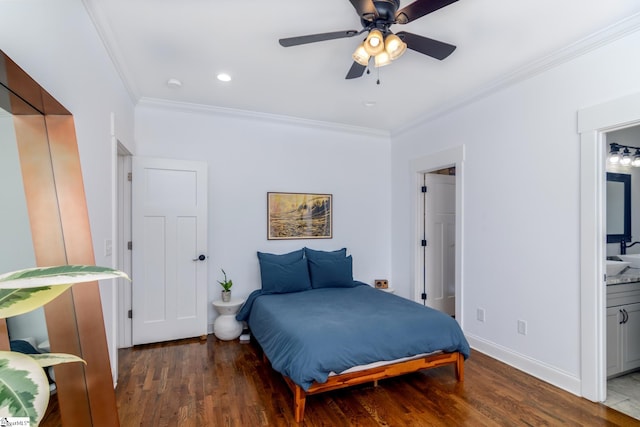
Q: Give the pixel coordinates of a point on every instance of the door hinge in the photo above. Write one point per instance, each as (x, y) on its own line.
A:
(423, 242)
(129, 176)
(130, 314)
(130, 245)
(424, 296)
(424, 189)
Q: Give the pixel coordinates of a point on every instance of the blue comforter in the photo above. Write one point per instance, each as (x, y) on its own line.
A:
(306, 335)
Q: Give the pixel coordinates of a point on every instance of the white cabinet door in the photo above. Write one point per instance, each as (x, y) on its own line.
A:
(614, 341)
(631, 337)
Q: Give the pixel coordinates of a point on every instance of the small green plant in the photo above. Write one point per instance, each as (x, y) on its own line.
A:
(226, 284)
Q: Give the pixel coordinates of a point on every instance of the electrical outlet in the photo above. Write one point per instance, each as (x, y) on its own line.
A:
(480, 314)
(522, 327)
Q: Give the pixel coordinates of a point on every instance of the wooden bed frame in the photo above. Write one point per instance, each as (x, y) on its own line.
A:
(373, 374)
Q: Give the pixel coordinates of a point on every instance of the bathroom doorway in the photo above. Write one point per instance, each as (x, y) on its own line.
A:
(622, 301)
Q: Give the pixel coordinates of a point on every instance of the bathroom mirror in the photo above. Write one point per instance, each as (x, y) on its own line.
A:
(618, 207)
(44, 214)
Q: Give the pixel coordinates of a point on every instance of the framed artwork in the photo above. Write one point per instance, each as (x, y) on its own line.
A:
(299, 216)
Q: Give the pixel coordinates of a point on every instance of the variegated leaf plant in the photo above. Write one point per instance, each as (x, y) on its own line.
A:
(24, 387)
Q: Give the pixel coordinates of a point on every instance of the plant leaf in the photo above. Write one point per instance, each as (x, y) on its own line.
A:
(52, 359)
(24, 388)
(58, 275)
(18, 301)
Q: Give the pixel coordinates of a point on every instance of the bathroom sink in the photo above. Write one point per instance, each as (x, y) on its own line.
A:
(616, 267)
(632, 259)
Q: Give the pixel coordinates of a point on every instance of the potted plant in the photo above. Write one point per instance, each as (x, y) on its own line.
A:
(226, 287)
(24, 389)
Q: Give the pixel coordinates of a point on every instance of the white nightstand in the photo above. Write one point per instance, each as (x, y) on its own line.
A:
(226, 327)
(389, 290)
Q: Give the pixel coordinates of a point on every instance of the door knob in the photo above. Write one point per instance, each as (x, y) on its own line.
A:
(201, 257)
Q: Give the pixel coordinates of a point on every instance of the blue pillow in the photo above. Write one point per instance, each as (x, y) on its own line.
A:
(315, 255)
(288, 258)
(331, 273)
(284, 278)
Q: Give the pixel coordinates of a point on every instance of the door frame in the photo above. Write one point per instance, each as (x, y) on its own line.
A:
(121, 243)
(453, 157)
(593, 123)
(426, 265)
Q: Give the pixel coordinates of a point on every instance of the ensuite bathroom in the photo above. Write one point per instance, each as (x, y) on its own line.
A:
(623, 270)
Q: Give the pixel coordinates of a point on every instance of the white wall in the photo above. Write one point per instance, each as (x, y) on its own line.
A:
(56, 43)
(521, 206)
(248, 157)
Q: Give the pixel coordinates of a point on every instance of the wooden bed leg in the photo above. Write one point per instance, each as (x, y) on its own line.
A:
(299, 400)
(375, 383)
(460, 367)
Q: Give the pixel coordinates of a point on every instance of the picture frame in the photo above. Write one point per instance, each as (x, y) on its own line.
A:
(299, 216)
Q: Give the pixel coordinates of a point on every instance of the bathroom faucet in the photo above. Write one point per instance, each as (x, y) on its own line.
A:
(624, 246)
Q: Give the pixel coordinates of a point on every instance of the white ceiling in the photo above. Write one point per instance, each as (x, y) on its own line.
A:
(498, 41)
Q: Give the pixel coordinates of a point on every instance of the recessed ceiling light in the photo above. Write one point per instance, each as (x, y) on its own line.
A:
(224, 77)
(174, 83)
(369, 103)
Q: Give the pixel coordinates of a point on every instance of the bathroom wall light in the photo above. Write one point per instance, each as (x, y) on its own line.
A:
(636, 158)
(621, 154)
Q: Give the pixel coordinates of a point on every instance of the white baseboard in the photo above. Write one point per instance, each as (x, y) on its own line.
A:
(209, 328)
(533, 367)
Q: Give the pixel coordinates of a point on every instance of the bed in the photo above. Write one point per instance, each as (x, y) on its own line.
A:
(323, 331)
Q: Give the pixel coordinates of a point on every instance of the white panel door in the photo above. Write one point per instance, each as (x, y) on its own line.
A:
(169, 234)
(440, 223)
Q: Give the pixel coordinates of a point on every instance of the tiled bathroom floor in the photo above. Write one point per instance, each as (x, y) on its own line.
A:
(623, 394)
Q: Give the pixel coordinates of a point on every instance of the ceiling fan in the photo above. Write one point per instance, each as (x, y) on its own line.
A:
(376, 17)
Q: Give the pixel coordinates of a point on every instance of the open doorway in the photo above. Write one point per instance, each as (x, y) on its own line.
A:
(451, 160)
(593, 124)
(622, 200)
(438, 240)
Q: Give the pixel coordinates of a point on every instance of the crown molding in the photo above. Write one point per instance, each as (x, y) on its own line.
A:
(188, 107)
(101, 24)
(590, 43)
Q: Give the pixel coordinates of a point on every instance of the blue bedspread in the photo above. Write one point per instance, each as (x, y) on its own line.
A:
(306, 335)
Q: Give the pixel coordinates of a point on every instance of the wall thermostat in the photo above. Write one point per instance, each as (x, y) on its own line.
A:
(381, 284)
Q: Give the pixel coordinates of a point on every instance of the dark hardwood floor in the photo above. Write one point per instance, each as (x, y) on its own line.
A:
(217, 383)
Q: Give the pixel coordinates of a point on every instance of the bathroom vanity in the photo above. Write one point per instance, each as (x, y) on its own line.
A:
(623, 322)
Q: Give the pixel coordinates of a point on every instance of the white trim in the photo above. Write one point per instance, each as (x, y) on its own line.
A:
(581, 47)
(533, 367)
(442, 159)
(114, 249)
(593, 122)
(188, 107)
(102, 27)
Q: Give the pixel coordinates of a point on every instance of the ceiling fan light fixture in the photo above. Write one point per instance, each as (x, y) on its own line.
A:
(394, 46)
(374, 43)
(361, 56)
(382, 59)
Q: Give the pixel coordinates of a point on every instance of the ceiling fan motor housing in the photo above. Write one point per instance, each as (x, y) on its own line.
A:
(386, 10)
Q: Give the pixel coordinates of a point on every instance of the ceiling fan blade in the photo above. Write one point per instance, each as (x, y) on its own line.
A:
(433, 48)
(365, 8)
(356, 70)
(312, 38)
(419, 8)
